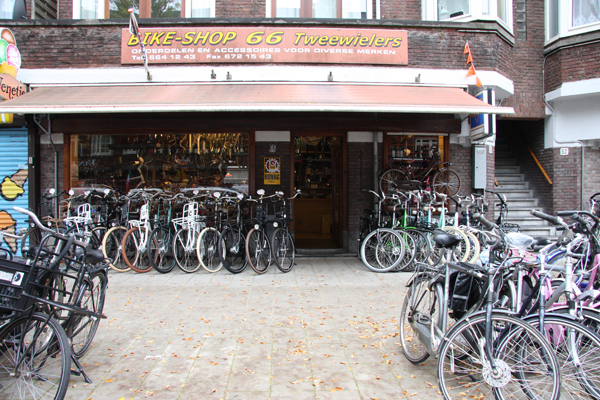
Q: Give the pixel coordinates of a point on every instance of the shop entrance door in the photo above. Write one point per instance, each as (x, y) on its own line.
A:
(318, 174)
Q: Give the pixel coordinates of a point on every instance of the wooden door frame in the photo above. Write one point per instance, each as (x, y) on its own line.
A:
(344, 172)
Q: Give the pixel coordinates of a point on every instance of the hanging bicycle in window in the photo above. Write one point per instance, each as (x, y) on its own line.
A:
(424, 166)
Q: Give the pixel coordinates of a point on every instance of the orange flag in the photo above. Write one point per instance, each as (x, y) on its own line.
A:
(479, 84)
(469, 58)
(467, 50)
(471, 71)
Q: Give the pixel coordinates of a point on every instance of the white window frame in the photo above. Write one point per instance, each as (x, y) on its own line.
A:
(77, 9)
(188, 8)
(344, 8)
(565, 22)
(429, 10)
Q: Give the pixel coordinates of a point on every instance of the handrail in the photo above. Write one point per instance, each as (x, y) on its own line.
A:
(537, 162)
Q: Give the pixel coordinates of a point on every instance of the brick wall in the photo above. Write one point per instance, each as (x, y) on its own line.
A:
(360, 180)
(567, 179)
(65, 9)
(240, 9)
(572, 64)
(47, 168)
(523, 63)
(591, 179)
(282, 150)
(460, 157)
(402, 10)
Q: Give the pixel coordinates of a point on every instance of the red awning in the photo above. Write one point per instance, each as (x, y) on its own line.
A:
(314, 97)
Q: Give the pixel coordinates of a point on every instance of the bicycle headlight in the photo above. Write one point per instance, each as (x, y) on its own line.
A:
(275, 224)
(256, 226)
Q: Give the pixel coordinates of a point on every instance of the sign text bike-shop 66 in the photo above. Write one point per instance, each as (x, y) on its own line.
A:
(287, 45)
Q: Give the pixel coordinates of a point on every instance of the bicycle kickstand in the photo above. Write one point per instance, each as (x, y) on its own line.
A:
(78, 370)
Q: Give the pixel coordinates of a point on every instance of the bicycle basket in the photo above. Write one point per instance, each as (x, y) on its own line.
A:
(14, 277)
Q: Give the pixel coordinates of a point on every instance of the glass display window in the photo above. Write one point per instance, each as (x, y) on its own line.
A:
(165, 161)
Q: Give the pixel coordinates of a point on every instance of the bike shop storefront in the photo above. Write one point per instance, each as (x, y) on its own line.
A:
(326, 140)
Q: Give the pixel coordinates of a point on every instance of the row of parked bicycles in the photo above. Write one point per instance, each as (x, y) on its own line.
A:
(51, 303)
(398, 232)
(151, 229)
(511, 323)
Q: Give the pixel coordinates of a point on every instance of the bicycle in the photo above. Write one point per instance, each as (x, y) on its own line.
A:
(162, 236)
(284, 249)
(382, 249)
(490, 353)
(436, 174)
(112, 242)
(258, 245)
(136, 241)
(232, 247)
(207, 246)
(187, 228)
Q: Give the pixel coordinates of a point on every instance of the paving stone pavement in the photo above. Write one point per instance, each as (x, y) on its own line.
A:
(326, 330)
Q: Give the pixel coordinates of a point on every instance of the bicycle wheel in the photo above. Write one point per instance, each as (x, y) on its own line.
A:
(423, 246)
(475, 247)
(578, 351)
(135, 250)
(410, 251)
(382, 250)
(462, 250)
(81, 328)
(111, 248)
(184, 250)
(284, 250)
(232, 249)
(35, 358)
(446, 181)
(165, 260)
(390, 178)
(207, 249)
(258, 250)
(420, 309)
(526, 366)
(97, 235)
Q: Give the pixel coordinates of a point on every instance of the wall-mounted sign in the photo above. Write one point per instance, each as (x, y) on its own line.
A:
(484, 125)
(272, 171)
(266, 45)
(10, 63)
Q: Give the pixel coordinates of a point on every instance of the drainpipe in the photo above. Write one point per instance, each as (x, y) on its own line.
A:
(378, 9)
(38, 122)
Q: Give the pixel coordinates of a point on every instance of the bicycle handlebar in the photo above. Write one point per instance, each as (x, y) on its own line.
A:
(552, 219)
(43, 228)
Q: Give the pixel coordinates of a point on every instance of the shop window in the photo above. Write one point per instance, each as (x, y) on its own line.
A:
(355, 9)
(166, 161)
(419, 153)
(468, 10)
(98, 9)
(571, 17)
(199, 8)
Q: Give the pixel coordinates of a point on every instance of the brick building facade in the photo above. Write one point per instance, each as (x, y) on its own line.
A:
(513, 54)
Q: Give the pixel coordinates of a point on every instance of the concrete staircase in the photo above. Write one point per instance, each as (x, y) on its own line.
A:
(519, 197)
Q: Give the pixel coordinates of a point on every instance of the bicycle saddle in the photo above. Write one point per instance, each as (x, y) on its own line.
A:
(446, 240)
(92, 256)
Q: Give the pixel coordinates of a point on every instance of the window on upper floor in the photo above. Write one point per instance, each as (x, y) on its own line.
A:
(571, 17)
(468, 10)
(98, 9)
(353, 9)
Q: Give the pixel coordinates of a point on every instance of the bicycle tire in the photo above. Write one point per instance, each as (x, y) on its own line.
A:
(580, 371)
(42, 342)
(390, 178)
(464, 371)
(475, 246)
(81, 328)
(419, 300)
(463, 250)
(232, 248)
(423, 246)
(137, 259)
(184, 252)
(284, 249)
(258, 251)
(111, 248)
(410, 251)
(446, 181)
(97, 236)
(207, 249)
(382, 250)
(165, 260)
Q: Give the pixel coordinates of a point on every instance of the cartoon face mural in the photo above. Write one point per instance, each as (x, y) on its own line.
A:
(13, 142)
